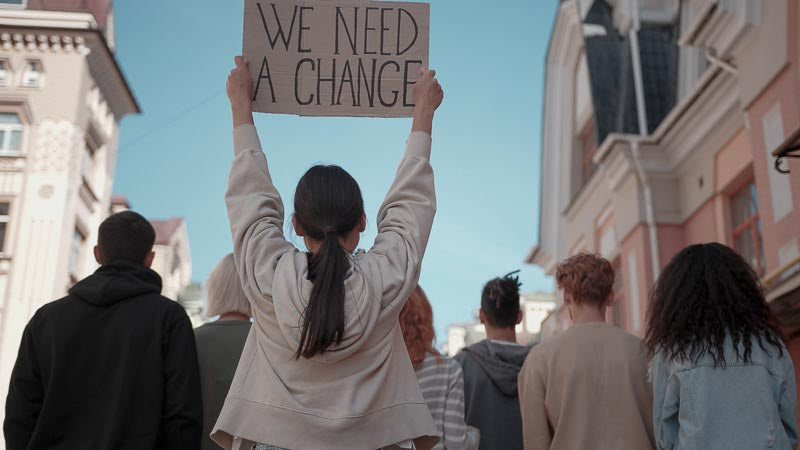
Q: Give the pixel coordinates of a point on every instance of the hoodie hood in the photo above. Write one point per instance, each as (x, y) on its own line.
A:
(117, 281)
(501, 362)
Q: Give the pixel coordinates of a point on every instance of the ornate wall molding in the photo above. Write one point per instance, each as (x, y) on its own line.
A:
(49, 41)
(57, 147)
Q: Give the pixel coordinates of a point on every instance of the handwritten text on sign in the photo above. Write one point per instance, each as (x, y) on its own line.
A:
(335, 58)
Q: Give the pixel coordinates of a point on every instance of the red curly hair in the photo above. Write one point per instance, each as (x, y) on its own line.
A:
(587, 277)
(416, 321)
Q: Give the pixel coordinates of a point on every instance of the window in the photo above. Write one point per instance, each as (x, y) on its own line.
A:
(747, 227)
(17, 3)
(5, 72)
(588, 147)
(10, 133)
(75, 252)
(32, 76)
(619, 293)
(87, 164)
(4, 207)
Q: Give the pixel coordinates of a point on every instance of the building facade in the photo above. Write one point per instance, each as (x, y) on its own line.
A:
(172, 260)
(535, 307)
(62, 96)
(669, 123)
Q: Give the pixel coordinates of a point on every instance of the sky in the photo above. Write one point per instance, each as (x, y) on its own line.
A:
(175, 156)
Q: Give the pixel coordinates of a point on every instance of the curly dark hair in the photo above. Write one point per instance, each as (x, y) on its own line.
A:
(708, 292)
(500, 300)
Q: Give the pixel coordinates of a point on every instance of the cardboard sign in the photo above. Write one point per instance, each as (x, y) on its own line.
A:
(335, 58)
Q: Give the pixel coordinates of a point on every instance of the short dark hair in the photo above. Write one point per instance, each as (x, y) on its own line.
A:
(500, 300)
(125, 236)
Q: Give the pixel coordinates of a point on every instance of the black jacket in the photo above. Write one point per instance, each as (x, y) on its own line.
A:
(113, 365)
(491, 402)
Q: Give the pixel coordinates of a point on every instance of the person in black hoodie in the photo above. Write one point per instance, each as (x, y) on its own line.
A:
(491, 366)
(113, 365)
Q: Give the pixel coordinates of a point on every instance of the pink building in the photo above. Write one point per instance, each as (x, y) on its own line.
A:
(668, 123)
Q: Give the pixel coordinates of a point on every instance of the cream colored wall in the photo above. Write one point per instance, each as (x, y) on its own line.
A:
(764, 53)
(173, 282)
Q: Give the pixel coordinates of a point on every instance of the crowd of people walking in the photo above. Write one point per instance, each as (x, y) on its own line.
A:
(334, 347)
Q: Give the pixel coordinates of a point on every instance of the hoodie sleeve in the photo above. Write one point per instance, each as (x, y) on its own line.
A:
(404, 222)
(255, 211)
(182, 417)
(25, 394)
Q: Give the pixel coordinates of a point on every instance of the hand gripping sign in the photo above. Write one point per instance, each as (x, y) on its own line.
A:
(335, 57)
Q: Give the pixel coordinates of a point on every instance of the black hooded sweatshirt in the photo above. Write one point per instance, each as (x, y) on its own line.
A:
(113, 365)
(491, 402)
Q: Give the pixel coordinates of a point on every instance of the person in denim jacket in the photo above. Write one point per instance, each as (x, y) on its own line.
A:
(722, 378)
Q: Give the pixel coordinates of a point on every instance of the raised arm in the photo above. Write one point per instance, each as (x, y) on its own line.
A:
(240, 93)
(255, 209)
(406, 216)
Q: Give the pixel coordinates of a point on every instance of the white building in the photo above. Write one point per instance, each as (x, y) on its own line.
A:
(62, 96)
(173, 260)
(536, 307)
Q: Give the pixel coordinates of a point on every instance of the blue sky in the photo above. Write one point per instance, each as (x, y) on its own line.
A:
(174, 157)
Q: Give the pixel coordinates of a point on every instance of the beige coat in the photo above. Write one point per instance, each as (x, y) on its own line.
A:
(362, 394)
(587, 389)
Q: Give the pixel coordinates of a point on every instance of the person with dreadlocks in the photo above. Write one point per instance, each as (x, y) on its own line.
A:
(587, 387)
(722, 377)
(491, 366)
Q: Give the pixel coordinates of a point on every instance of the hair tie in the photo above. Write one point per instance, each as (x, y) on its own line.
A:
(329, 230)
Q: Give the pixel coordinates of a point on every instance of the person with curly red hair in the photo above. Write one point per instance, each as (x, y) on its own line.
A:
(440, 378)
(587, 387)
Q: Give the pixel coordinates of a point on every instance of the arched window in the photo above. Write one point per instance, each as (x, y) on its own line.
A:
(10, 133)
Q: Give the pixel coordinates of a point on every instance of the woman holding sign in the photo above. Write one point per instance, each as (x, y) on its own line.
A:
(325, 364)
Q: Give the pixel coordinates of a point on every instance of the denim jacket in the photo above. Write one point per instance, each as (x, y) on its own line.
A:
(743, 406)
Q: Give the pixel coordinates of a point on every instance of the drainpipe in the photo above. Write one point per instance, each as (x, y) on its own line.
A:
(650, 217)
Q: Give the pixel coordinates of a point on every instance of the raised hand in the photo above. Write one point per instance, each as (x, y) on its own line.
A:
(240, 92)
(428, 95)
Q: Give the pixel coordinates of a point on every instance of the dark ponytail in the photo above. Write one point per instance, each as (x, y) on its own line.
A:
(327, 205)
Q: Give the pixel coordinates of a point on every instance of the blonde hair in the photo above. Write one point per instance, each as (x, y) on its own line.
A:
(224, 292)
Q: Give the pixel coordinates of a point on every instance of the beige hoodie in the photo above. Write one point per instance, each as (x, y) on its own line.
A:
(363, 393)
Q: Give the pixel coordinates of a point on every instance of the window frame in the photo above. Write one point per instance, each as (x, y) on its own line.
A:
(8, 130)
(750, 225)
(89, 153)
(5, 221)
(9, 72)
(618, 313)
(23, 73)
(22, 5)
(588, 135)
(75, 259)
